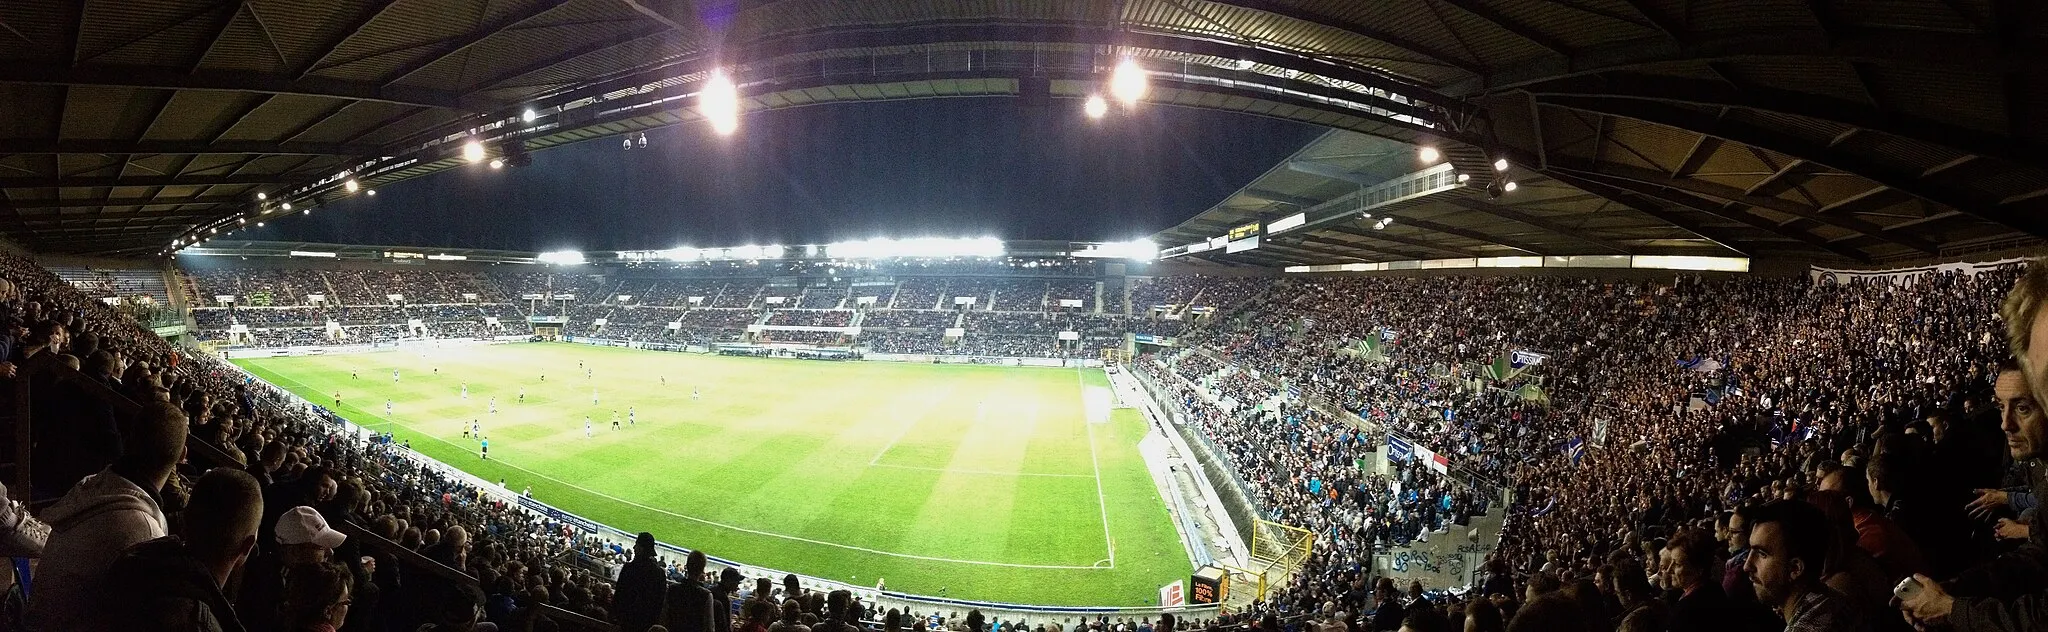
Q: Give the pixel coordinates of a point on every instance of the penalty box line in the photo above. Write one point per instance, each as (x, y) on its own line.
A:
(792, 538)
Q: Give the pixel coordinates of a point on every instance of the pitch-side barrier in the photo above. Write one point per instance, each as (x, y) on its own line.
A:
(883, 598)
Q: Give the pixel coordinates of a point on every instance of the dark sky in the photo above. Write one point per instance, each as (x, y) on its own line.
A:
(926, 168)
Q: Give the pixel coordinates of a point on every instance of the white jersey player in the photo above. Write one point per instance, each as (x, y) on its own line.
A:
(629, 415)
(694, 394)
(394, 375)
(586, 426)
(494, 405)
(593, 397)
(387, 408)
(465, 390)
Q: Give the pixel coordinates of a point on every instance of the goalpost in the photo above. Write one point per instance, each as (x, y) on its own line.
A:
(1277, 551)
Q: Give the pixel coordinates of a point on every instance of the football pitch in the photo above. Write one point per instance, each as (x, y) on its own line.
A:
(971, 482)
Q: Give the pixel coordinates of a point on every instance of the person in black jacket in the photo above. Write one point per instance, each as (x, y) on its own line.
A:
(174, 582)
(1390, 613)
(1693, 571)
(689, 604)
(642, 591)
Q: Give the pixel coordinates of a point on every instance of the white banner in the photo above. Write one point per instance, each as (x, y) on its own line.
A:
(1070, 335)
(625, 298)
(696, 299)
(955, 332)
(1170, 594)
(395, 298)
(601, 322)
(675, 325)
(776, 300)
(1070, 302)
(223, 298)
(469, 296)
(316, 298)
(964, 300)
(491, 320)
(414, 323)
(865, 300)
(238, 328)
(564, 297)
(532, 297)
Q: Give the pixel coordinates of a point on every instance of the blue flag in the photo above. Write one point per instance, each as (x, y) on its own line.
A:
(1575, 449)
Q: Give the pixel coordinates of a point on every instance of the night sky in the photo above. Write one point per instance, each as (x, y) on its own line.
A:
(925, 168)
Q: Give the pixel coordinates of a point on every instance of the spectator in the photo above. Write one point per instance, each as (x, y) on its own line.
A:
(316, 598)
(303, 539)
(175, 583)
(1788, 550)
(640, 597)
(103, 516)
(689, 603)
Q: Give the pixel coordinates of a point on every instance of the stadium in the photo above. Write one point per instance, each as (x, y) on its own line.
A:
(1009, 316)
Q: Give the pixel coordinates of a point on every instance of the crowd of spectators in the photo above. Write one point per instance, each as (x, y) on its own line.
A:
(898, 318)
(1019, 295)
(824, 297)
(811, 318)
(919, 293)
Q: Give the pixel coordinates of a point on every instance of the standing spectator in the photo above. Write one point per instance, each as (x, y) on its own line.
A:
(641, 594)
(689, 604)
(103, 516)
(174, 583)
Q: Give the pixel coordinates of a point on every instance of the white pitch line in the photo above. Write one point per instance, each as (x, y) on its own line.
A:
(1101, 501)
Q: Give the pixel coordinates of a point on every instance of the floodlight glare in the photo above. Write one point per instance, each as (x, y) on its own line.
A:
(1500, 164)
(1509, 187)
(261, 196)
(497, 163)
(528, 116)
(562, 257)
(1244, 64)
(1127, 82)
(372, 192)
(1429, 155)
(473, 151)
(1464, 176)
(352, 186)
(287, 206)
(720, 103)
(1095, 107)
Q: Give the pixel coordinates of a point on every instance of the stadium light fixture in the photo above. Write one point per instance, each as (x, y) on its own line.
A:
(371, 192)
(1464, 177)
(771, 252)
(1509, 187)
(1500, 164)
(562, 257)
(473, 151)
(287, 206)
(1095, 106)
(497, 163)
(352, 185)
(528, 116)
(261, 196)
(720, 103)
(1429, 155)
(1127, 82)
(259, 224)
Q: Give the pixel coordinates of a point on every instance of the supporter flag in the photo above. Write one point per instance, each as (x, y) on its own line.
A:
(1576, 449)
(1398, 451)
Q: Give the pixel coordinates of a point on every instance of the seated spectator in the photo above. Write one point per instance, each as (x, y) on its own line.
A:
(303, 539)
(316, 598)
(175, 583)
(103, 516)
(1788, 550)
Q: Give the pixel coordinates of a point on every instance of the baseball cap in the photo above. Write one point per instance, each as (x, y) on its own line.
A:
(303, 525)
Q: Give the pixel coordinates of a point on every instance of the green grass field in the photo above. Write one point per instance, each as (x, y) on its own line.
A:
(973, 482)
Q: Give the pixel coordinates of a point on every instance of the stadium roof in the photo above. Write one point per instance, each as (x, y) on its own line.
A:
(1865, 131)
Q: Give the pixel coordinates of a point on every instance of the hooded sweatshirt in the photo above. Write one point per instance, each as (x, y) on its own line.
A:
(158, 585)
(89, 528)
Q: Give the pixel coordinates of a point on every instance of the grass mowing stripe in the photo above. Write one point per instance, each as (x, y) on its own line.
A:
(767, 449)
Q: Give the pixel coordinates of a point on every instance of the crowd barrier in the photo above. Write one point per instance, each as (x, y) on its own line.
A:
(613, 535)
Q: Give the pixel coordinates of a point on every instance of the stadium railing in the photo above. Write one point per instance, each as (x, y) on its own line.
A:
(204, 455)
(886, 598)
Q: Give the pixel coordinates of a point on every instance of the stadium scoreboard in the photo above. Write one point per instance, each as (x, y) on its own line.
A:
(1242, 238)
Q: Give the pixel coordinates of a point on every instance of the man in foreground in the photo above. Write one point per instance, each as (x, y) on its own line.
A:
(1788, 548)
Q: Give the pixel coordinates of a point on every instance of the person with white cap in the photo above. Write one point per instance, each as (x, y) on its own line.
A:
(303, 537)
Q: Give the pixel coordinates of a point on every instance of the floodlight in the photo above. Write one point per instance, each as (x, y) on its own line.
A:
(1429, 155)
(371, 192)
(473, 151)
(1095, 107)
(1127, 82)
(497, 163)
(771, 252)
(1500, 164)
(287, 206)
(1464, 176)
(261, 196)
(720, 103)
(562, 257)
(1509, 187)
(259, 224)
(528, 116)
(352, 186)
